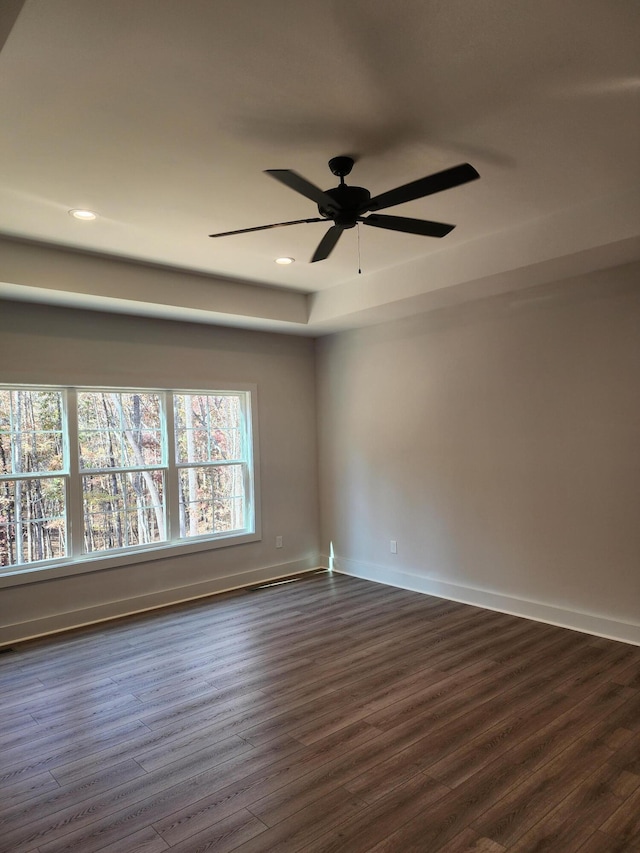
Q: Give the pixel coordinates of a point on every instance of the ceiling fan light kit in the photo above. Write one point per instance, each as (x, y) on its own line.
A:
(346, 205)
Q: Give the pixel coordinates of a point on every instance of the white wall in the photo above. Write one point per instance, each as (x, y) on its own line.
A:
(59, 346)
(498, 443)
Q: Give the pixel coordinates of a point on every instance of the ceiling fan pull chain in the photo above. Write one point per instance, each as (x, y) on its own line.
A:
(359, 262)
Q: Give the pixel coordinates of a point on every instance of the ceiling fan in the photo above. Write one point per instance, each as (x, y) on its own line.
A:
(346, 205)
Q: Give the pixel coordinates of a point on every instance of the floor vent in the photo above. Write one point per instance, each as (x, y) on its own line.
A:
(274, 583)
(286, 580)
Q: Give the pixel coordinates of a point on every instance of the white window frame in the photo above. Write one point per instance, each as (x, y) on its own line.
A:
(76, 560)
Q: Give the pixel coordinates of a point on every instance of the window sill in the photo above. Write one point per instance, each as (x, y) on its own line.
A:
(21, 576)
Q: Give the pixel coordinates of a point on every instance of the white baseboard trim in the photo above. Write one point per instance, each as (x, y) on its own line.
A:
(588, 623)
(31, 629)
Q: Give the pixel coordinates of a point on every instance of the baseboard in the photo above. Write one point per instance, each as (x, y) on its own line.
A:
(29, 630)
(588, 623)
(577, 621)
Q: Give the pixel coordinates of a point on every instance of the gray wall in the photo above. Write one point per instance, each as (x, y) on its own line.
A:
(498, 443)
(58, 346)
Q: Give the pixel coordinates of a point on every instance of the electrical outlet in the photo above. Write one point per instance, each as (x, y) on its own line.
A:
(393, 546)
(278, 541)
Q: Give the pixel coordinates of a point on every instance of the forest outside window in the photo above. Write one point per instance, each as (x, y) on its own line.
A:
(122, 464)
(210, 449)
(33, 471)
(87, 473)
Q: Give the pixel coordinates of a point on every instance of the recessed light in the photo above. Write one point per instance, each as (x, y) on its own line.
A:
(285, 261)
(84, 215)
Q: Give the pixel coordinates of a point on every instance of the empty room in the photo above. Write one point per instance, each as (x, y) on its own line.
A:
(319, 426)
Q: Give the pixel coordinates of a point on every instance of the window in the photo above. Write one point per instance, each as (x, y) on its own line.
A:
(122, 467)
(33, 488)
(87, 472)
(210, 448)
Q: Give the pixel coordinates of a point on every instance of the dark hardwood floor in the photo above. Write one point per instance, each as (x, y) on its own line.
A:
(325, 714)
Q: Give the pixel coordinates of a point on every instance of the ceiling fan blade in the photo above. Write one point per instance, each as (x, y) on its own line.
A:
(265, 227)
(327, 243)
(424, 186)
(410, 226)
(301, 185)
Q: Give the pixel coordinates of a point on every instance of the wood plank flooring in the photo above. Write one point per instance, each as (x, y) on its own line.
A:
(324, 714)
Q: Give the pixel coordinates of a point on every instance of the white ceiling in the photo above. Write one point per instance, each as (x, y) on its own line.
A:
(161, 115)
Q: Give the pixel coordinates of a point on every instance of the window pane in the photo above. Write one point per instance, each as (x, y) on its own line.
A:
(212, 500)
(229, 514)
(44, 540)
(144, 503)
(142, 424)
(100, 450)
(39, 451)
(143, 488)
(141, 411)
(6, 464)
(123, 509)
(143, 447)
(103, 512)
(225, 411)
(8, 549)
(8, 556)
(98, 410)
(226, 444)
(208, 427)
(30, 431)
(192, 445)
(5, 409)
(7, 501)
(36, 410)
(32, 520)
(119, 430)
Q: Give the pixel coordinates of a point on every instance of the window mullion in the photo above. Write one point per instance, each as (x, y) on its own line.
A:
(247, 467)
(75, 519)
(172, 489)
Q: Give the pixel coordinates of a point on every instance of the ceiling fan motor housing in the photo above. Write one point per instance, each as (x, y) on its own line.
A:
(350, 202)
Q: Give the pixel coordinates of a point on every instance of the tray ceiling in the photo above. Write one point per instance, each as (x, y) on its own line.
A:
(161, 115)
